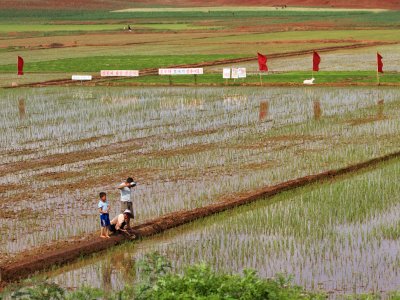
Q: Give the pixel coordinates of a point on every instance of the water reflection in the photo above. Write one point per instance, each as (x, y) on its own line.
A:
(106, 274)
(264, 108)
(317, 110)
(125, 264)
(235, 100)
(121, 265)
(21, 108)
(380, 111)
(197, 104)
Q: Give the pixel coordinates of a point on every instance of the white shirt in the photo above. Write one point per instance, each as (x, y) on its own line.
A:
(125, 193)
(117, 221)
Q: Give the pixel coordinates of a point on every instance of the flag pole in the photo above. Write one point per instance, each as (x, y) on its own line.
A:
(261, 83)
(377, 77)
(312, 70)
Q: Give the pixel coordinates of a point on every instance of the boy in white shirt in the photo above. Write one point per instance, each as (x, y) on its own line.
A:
(126, 193)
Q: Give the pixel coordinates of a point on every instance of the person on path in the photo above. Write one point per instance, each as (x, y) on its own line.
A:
(104, 209)
(126, 193)
(121, 222)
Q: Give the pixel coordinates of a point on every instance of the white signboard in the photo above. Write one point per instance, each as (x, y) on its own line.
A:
(235, 73)
(187, 71)
(226, 73)
(81, 77)
(242, 73)
(119, 73)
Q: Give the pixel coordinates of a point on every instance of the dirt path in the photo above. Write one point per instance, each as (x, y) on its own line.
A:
(67, 251)
(154, 71)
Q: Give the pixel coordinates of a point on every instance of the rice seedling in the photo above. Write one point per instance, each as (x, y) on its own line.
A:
(187, 147)
(339, 236)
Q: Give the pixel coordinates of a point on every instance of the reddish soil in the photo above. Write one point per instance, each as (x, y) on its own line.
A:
(117, 4)
(390, 4)
(63, 252)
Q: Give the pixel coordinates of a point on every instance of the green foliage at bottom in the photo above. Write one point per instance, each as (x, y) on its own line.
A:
(158, 281)
(200, 282)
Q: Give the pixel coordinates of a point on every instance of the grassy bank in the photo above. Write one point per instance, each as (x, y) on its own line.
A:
(290, 78)
(127, 62)
(345, 78)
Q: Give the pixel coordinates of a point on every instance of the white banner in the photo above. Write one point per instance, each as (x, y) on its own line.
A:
(235, 73)
(242, 73)
(187, 71)
(81, 77)
(226, 73)
(119, 73)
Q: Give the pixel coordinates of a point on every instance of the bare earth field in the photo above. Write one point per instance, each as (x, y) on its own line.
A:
(108, 4)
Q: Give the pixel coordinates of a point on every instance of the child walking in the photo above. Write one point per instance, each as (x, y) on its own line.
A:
(104, 209)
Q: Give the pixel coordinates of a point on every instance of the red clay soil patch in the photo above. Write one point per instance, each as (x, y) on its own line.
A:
(71, 157)
(389, 4)
(116, 4)
(89, 140)
(292, 139)
(46, 257)
(8, 187)
(20, 214)
(58, 175)
(64, 5)
(362, 121)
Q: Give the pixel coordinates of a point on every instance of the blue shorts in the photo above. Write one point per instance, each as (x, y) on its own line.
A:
(104, 220)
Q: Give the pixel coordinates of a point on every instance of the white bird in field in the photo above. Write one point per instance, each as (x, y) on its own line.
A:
(309, 81)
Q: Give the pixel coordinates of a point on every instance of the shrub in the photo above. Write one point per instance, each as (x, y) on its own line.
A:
(159, 282)
(201, 282)
(40, 291)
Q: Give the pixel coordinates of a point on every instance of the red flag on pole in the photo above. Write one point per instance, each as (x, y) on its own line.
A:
(380, 62)
(316, 61)
(20, 65)
(262, 62)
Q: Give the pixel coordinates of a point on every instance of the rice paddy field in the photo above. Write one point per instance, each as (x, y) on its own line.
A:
(341, 237)
(62, 146)
(189, 145)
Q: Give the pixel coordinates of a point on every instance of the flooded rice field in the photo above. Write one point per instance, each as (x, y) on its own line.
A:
(186, 147)
(342, 237)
